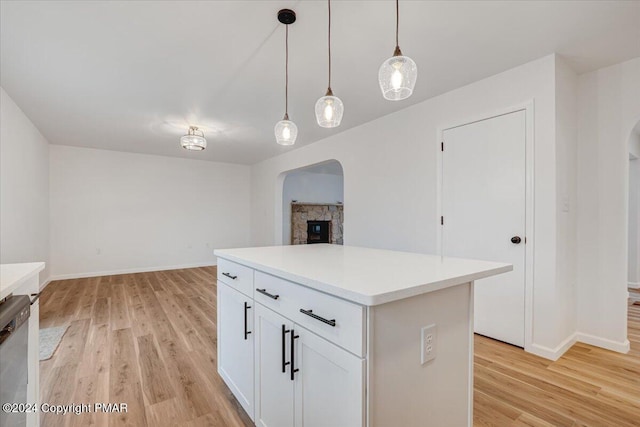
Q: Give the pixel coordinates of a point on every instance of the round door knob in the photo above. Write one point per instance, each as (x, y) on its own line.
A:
(516, 240)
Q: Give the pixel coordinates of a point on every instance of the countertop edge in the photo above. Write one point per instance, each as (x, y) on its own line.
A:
(23, 278)
(366, 300)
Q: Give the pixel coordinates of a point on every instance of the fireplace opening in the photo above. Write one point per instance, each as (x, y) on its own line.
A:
(318, 232)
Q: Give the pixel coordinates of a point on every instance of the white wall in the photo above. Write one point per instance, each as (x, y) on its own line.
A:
(114, 211)
(24, 188)
(566, 199)
(390, 178)
(609, 108)
(308, 187)
(634, 210)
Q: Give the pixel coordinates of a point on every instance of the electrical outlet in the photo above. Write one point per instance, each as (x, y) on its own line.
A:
(428, 339)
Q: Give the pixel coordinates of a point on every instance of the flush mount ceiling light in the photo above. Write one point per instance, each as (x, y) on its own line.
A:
(193, 140)
(286, 131)
(329, 108)
(397, 75)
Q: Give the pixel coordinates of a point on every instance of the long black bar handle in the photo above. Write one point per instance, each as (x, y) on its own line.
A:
(293, 355)
(246, 308)
(264, 292)
(230, 276)
(285, 331)
(309, 313)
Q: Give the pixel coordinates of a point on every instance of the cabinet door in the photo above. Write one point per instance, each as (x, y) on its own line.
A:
(329, 384)
(274, 387)
(235, 344)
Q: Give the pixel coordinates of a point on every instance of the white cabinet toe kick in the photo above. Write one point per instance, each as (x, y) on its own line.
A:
(306, 340)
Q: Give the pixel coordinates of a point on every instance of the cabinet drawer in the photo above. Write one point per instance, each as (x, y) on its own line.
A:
(335, 319)
(236, 276)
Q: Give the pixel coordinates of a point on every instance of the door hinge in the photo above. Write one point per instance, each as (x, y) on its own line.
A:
(442, 146)
(441, 220)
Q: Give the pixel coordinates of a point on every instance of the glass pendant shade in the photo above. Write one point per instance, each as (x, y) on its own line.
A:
(286, 132)
(397, 77)
(193, 141)
(329, 111)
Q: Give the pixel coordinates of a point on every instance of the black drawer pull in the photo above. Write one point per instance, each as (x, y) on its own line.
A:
(309, 313)
(285, 331)
(264, 292)
(246, 333)
(230, 276)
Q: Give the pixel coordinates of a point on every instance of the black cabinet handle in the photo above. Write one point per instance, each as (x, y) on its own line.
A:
(246, 308)
(285, 331)
(34, 299)
(230, 276)
(309, 313)
(516, 240)
(293, 354)
(264, 292)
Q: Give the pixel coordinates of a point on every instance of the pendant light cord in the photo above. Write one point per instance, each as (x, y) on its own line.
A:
(329, 3)
(286, 73)
(397, 21)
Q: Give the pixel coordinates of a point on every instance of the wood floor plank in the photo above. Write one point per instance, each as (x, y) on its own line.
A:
(155, 381)
(150, 339)
(124, 380)
(101, 310)
(119, 308)
(73, 343)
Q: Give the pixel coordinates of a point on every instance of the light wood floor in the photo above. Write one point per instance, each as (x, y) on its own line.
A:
(149, 339)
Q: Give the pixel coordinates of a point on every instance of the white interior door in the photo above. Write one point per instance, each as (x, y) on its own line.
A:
(483, 208)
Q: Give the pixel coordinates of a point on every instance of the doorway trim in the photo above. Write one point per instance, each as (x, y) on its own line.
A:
(528, 107)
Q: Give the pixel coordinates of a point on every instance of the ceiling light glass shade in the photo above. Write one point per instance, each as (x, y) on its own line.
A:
(329, 111)
(397, 77)
(194, 142)
(286, 132)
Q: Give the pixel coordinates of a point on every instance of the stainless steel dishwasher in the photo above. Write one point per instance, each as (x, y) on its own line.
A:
(14, 336)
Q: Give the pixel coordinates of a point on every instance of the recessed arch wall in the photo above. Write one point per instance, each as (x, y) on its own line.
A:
(321, 182)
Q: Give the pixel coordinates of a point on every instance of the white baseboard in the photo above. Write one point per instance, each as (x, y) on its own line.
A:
(633, 285)
(553, 353)
(620, 347)
(44, 284)
(127, 271)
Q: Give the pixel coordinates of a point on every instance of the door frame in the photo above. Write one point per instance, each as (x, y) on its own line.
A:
(528, 107)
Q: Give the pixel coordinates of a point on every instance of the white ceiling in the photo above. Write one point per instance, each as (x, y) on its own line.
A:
(132, 76)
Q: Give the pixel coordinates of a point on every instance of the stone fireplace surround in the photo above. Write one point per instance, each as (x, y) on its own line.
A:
(302, 212)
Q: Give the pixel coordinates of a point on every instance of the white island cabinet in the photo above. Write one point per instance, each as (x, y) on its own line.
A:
(338, 336)
(24, 279)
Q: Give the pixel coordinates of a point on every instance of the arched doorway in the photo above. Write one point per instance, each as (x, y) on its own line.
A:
(312, 204)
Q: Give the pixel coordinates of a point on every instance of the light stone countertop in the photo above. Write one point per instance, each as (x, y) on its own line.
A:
(362, 275)
(12, 276)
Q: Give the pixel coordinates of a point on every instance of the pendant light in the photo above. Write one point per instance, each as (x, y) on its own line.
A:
(329, 108)
(286, 131)
(397, 75)
(193, 140)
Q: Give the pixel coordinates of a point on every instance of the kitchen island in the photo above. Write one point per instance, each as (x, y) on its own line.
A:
(327, 335)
